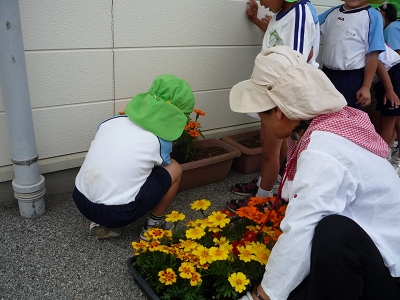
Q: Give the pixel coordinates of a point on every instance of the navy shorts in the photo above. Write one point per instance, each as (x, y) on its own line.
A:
(347, 82)
(387, 109)
(114, 216)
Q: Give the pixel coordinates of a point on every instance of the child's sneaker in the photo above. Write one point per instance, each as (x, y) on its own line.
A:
(235, 204)
(245, 189)
(101, 232)
(162, 224)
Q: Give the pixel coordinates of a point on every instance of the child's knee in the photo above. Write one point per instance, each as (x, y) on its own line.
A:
(175, 170)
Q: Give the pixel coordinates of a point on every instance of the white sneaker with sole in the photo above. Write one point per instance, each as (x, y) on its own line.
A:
(100, 232)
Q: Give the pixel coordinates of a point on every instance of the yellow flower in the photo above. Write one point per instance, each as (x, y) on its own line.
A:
(153, 246)
(188, 245)
(164, 248)
(214, 229)
(262, 255)
(186, 270)
(174, 216)
(218, 253)
(140, 247)
(218, 219)
(168, 233)
(195, 233)
(167, 276)
(154, 233)
(221, 241)
(196, 279)
(205, 223)
(194, 223)
(200, 204)
(246, 253)
(238, 281)
(203, 254)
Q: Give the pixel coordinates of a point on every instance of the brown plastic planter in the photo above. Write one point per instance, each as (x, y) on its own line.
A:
(208, 170)
(250, 160)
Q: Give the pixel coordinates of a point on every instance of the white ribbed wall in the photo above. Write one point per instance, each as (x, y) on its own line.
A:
(86, 59)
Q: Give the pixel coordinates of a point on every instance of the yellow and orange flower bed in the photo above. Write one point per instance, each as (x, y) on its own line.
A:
(218, 256)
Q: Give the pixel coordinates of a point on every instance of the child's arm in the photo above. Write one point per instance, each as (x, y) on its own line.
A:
(252, 11)
(387, 84)
(363, 95)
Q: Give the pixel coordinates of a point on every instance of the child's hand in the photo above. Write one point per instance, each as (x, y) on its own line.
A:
(391, 96)
(266, 19)
(252, 10)
(363, 96)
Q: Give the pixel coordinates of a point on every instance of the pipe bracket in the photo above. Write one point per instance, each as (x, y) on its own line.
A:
(25, 162)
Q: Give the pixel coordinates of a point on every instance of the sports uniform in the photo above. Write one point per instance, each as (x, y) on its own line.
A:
(296, 28)
(347, 37)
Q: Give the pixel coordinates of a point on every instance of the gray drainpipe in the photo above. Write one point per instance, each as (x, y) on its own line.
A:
(28, 184)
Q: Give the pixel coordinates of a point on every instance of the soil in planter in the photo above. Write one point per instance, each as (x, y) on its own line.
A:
(251, 142)
(199, 153)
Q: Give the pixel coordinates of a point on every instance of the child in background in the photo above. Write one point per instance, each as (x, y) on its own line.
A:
(386, 92)
(352, 38)
(391, 34)
(295, 24)
(127, 171)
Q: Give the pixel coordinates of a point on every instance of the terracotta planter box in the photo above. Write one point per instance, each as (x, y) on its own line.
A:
(208, 170)
(250, 160)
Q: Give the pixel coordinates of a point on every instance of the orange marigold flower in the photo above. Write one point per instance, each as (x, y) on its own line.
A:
(259, 217)
(193, 133)
(254, 201)
(247, 212)
(192, 125)
(199, 112)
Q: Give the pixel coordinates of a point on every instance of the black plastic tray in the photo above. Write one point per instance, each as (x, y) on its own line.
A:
(140, 281)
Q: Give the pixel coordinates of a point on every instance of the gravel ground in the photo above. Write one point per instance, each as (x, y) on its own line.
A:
(54, 257)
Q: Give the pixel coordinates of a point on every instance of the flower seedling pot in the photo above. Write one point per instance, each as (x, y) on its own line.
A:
(208, 170)
(250, 160)
(147, 290)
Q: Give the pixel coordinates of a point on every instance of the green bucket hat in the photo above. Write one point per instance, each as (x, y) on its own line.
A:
(396, 4)
(164, 109)
(378, 3)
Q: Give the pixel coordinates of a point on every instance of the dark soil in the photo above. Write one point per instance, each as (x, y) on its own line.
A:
(251, 142)
(199, 153)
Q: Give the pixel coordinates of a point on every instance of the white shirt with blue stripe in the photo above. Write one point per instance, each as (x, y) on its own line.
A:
(297, 28)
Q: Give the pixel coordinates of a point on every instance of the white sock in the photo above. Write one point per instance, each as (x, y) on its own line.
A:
(153, 219)
(259, 181)
(263, 193)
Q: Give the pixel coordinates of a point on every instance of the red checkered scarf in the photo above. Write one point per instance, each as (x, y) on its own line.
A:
(349, 123)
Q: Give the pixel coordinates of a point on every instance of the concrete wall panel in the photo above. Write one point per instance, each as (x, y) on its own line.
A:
(206, 68)
(71, 24)
(69, 77)
(183, 23)
(68, 129)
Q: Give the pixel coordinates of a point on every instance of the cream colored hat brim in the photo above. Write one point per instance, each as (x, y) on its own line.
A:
(282, 77)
